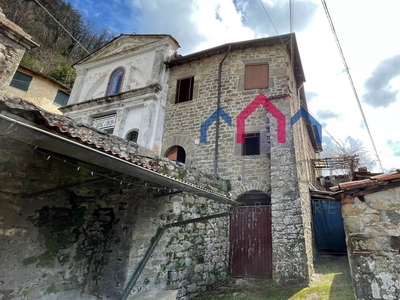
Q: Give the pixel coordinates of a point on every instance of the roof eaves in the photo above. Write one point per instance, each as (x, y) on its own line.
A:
(66, 88)
(274, 40)
(70, 130)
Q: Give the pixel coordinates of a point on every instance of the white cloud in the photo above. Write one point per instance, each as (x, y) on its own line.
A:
(227, 27)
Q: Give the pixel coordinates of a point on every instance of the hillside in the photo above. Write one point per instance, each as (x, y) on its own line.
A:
(58, 50)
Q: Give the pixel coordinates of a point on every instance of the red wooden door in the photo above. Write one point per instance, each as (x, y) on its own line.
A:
(251, 242)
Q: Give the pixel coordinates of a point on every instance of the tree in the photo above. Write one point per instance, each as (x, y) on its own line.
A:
(347, 156)
(57, 48)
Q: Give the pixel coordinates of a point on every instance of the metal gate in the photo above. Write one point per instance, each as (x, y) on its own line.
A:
(251, 242)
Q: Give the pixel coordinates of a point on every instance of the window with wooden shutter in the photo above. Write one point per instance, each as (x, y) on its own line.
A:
(61, 98)
(21, 81)
(176, 153)
(256, 76)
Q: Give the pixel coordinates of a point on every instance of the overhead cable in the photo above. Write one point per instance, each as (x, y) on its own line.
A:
(63, 27)
(262, 4)
(351, 80)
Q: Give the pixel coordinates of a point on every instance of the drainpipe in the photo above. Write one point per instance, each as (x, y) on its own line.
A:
(159, 234)
(218, 105)
(298, 94)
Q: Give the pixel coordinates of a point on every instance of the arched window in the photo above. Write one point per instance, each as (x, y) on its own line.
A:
(176, 153)
(132, 136)
(254, 198)
(115, 83)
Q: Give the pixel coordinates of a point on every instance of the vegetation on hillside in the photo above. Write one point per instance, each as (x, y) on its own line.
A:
(58, 50)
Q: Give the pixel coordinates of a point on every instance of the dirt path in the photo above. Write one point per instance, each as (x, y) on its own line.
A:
(331, 281)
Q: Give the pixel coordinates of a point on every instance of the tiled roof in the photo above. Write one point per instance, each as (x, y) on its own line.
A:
(370, 185)
(86, 135)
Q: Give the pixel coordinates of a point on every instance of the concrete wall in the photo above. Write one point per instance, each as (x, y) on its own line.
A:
(277, 172)
(84, 242)
(373, 244)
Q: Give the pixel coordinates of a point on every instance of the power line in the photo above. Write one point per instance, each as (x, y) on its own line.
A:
(62, 27)
(272, 22)
(350, 79)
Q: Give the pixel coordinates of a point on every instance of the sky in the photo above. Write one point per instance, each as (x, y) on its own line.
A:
(367, 31)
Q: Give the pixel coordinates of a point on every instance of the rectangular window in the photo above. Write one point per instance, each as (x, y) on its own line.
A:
(21, 81)
(256, 76)
(184, 90)
(251, 145)
(61, 98)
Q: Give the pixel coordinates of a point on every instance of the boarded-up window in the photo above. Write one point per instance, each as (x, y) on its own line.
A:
(184, 90)
(21, 81)
(257, 76)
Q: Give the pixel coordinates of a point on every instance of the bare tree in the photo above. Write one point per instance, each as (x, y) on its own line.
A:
(348, 156)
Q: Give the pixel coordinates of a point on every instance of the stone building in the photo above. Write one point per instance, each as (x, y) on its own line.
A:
(370, 209)
(122, 88)
(235, 111)
(40, 89)
(13, 44)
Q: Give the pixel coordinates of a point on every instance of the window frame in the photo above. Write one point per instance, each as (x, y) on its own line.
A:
(252, 71)
(180, 87)
(63, 102)
(247, 146)
(180, 154)
(113, 89)
(19, 83)
(131, 132)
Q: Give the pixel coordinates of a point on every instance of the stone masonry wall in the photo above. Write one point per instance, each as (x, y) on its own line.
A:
(274, 171)
(11, 50)
(84, 242)
(188, 258)
(373, 244)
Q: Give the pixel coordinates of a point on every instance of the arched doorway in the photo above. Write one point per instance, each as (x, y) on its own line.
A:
(250, 251)
(176, 153)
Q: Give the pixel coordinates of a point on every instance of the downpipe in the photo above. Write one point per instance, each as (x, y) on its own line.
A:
(218, 106)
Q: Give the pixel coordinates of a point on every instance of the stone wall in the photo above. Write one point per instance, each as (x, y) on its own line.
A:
(13, 44)
(373, 244)
(84, 241)
(275, 170)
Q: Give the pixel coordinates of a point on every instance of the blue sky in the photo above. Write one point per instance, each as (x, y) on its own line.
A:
(367, 30)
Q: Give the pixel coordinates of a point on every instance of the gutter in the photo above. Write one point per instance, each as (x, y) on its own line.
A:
(218, 106)
(30, 133)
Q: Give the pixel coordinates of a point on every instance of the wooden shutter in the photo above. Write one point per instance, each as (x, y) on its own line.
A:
(61, 98)
(257, 76)
(21, 81)
(173, 154)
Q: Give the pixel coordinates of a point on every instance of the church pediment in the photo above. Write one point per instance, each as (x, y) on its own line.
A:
(123, 43)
